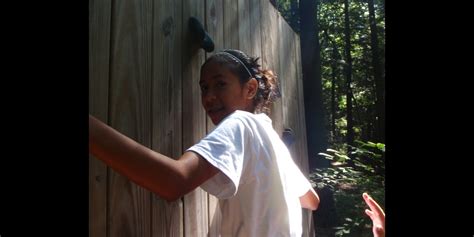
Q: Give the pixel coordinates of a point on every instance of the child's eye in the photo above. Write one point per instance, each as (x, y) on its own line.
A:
(221, 84)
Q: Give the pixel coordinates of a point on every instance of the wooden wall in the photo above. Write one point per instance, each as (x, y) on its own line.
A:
(143, 73)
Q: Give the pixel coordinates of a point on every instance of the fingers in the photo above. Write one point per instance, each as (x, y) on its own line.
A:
(377, 215)
(369, 213)
(374, 206)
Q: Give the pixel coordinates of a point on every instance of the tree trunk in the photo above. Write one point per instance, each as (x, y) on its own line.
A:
(333, 92)
(311, 66)
(325, 218)
(348, 71)
(294, 20)
(366, 119)
(335, 57)
(379, 79)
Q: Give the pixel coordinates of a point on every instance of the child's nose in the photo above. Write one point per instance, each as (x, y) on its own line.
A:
(209, 97)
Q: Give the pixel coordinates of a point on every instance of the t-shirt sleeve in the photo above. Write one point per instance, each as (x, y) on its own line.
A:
(224, 149)
(300, 183)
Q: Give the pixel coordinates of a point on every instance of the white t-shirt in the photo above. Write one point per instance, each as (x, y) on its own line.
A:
(259, 184)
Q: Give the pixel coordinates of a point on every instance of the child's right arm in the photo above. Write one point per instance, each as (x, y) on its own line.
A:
(376, 214)
(168, 178)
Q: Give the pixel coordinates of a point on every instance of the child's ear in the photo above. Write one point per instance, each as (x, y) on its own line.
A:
(252, 86)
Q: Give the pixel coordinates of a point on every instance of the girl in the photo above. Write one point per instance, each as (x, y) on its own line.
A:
(243, 162)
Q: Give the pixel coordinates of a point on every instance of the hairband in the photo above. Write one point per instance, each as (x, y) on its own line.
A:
(238, 60)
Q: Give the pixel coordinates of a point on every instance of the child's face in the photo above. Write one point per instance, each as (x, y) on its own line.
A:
(222, 93)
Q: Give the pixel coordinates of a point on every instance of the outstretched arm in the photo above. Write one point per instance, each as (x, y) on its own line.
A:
(377, 215)
(168, 178)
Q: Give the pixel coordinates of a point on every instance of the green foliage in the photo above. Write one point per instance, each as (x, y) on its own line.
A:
(330, 16)
(349, 182)
(331, 35)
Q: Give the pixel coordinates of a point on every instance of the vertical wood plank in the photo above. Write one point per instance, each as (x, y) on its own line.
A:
(270, 59)
(167, 218)
(308, 228)
(301, 143)
(302, 120)
(244, 26)
(129, 209)
(288, 84)
(255, 29)
(99, 44)
(215, 28)
(231, 24)
(194, 124)
(215, 22)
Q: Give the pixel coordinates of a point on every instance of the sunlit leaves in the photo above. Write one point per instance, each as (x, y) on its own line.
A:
(331, 25)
